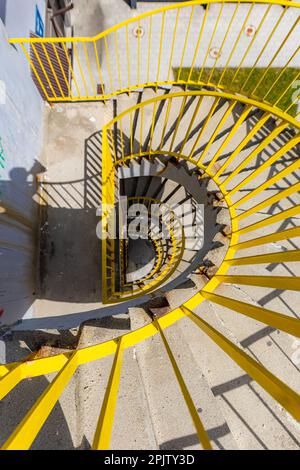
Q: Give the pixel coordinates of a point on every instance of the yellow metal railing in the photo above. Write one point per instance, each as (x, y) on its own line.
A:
(212, 167)
(161, 248)
(180, 43)
(223, 165)
(107, 217)
(157, 145)
(163, 269)
(66, 364)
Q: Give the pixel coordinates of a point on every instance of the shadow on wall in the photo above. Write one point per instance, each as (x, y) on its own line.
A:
(18, 235)
(65, 266)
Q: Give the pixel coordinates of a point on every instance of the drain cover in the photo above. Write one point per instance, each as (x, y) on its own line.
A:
(250, 30)
(138, 32)
(215, 53)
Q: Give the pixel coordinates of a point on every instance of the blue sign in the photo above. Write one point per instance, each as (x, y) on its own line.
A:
(39, 24)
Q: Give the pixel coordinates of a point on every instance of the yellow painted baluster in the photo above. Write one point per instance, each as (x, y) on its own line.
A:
(72, 71)
(269, 201)
(206, 122)
(273, 237)
(235, 44)
(292, 212)
(62, 71)
(118, 59)
(223, 42)
(46, 75)
(173, 45)
(210, 42)
(99, 68)
(243, 143)
(230, 135)
(186, 41)
(289, 399)
(53, 71)
(250, 45)
(80, 70)
(90, 70)
(26, 432)
(218, 127)
(198, 45)
(274, 319)
(203, 437)
(35, 71)
(274, 282)
(106, 418)
(161, 39)
(259, 148)
(128, 56)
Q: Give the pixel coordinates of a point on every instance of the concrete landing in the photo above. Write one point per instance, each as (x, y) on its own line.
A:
(69, 193)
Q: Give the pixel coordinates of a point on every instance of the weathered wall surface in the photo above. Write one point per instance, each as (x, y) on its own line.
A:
(21, 138)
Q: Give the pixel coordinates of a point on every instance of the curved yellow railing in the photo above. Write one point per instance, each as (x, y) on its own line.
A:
(158, 245)
(77, 72)
(224, 46)
(157, 277)
(117, 157)
(66, 364)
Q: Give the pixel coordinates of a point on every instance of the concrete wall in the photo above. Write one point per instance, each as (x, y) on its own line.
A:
(20, 16)
(3, 10)
(21, 140)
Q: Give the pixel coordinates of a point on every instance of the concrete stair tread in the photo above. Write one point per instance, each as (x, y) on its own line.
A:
(238, 391)
(162, 392)
(91, 381)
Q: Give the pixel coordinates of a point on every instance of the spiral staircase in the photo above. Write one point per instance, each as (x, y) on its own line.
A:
(190, 371)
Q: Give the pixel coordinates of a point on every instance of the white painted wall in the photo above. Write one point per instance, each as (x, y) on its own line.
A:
(21, 137)
(20, 16)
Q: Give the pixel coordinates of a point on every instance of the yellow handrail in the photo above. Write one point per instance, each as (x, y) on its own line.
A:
(162, 149)
(160, 274)
(101, 60)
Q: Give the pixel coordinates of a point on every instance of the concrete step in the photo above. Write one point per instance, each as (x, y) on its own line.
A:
(172, 423)
(269, 427)
(60, 430)
(170, 171)
(143, 168)
(198, 126)
(132, 424)
(154, 188)
(272, 427)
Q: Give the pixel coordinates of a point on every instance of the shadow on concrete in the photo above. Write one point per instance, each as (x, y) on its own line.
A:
(55, 433)
(181, 443)
(70, 251)
(246, 380)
